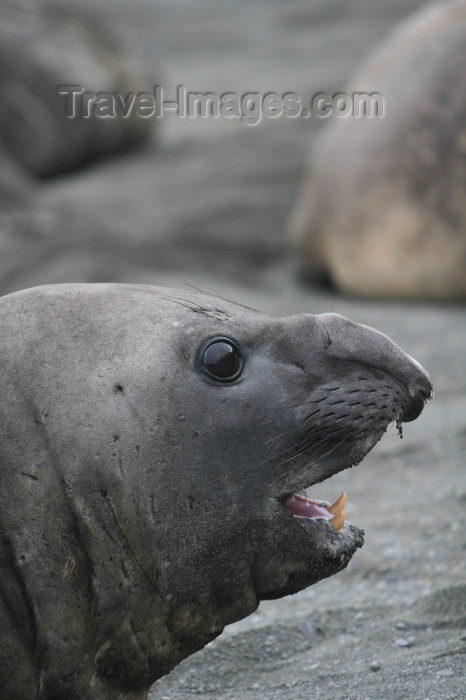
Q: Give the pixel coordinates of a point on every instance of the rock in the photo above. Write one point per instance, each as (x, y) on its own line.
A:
(401, 642)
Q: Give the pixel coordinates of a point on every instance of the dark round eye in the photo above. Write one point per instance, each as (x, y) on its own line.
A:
(222, 360)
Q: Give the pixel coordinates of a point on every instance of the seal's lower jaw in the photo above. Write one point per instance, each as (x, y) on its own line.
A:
(325, 526)
(312, 550)
(319, 541)
(326, 521)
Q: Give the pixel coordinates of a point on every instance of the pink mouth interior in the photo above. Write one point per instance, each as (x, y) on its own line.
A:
(302, 507)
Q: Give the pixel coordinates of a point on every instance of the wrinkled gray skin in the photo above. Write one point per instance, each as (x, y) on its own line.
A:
(142, 502)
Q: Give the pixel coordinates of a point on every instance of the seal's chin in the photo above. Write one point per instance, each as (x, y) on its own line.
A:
(304, 510)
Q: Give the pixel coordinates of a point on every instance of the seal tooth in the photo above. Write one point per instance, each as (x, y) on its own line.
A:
(337, 521)
(338, 505)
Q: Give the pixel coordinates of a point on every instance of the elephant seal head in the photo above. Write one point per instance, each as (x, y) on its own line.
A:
(153, 444)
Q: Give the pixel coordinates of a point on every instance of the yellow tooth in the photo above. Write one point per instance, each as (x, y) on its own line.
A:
(337, 521)
(337, 505)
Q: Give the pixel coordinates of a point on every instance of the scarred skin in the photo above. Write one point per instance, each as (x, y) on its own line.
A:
(142, 500)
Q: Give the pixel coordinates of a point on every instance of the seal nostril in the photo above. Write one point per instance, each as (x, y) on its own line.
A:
(421, 391)
(426, 394)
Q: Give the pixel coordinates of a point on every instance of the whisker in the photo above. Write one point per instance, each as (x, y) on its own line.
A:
(280, 435)
(329, 340)
(292, 430)
(198, 308)
(285, 461)
(274, 456)
(326, 433)
(318, 457)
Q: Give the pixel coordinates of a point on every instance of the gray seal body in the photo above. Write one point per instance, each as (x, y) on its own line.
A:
(150, 441)
(382, 212)
(50, 55)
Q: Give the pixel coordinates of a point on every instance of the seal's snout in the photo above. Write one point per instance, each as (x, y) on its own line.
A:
(369, 347)
(421, 391)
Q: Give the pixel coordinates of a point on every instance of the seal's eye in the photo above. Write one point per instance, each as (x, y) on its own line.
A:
(222, 360)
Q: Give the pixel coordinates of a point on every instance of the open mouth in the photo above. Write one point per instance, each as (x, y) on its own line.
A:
(306, 510)
(303, 509)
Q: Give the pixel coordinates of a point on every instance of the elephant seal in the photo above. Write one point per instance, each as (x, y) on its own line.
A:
(383, 212)
(153, 443)
(45, 47)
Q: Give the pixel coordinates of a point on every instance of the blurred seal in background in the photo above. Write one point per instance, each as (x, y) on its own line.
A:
(383, 210)
(45, 47)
